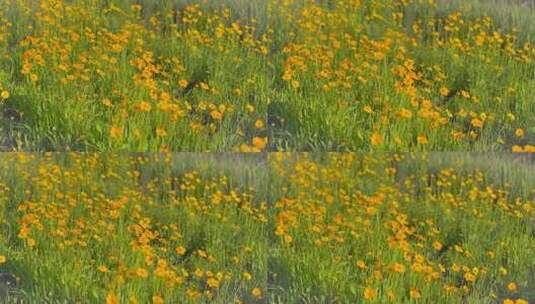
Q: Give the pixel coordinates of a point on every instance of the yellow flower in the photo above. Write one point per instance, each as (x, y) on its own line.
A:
(157, 299)
(103, 268)
(183, 83)
(376, 139)
(2, 259)
(508, 301)
(398, 267)
(180, 250)
(112, 299)
(519, 133)
(143, 106)
(444, 91)
(116, 132)
(142, 273)
(216, 115)
(4, 95)
(512, 287)
(259, 124)
(415, 294)
(477, 123)
(212, 282)
(521, 301)
(136, 7)
(257, 292)
(437, 245)
(368, 109)
(517, 149)
(422, 139)
(361, 264)
(529, 149)
(404, 113)
(247, 276)
(469, 277)
(161, 132)
(106, 102)
(260, 143)
(369, 293)
(465, 94)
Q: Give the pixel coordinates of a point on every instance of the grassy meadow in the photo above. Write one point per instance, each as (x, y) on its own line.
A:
(278, 75)
(95, 228)
(394, 228)
(286, 228)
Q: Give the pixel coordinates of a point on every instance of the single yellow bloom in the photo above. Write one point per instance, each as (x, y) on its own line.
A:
(368, 109)
(469, 277)
(398, 267)
(103, 268)
(422, 139)
(5, 94)
(180, 250)
(106, 102)
(259, 124)
(369, 293)
(116, 132)
(437, 245)
(212, 282)
(529, 149)
(260, 143)
(415, 294)
(512, 286)
(142, 273)
(161, 132)
(376, 139)
(112, 299)
(404, 113)
(183, 83)
(519, 133)
(247, 276)
(157, 299)
(2, 259)
(216, 115)
(257, 292)
(143, 106)
(477, 123)
(517, 149)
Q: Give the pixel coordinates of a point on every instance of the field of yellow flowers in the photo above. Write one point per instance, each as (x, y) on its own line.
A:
(99, 228)
(237, 75)
(286, 228)
(353, 228)
(121, 75)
